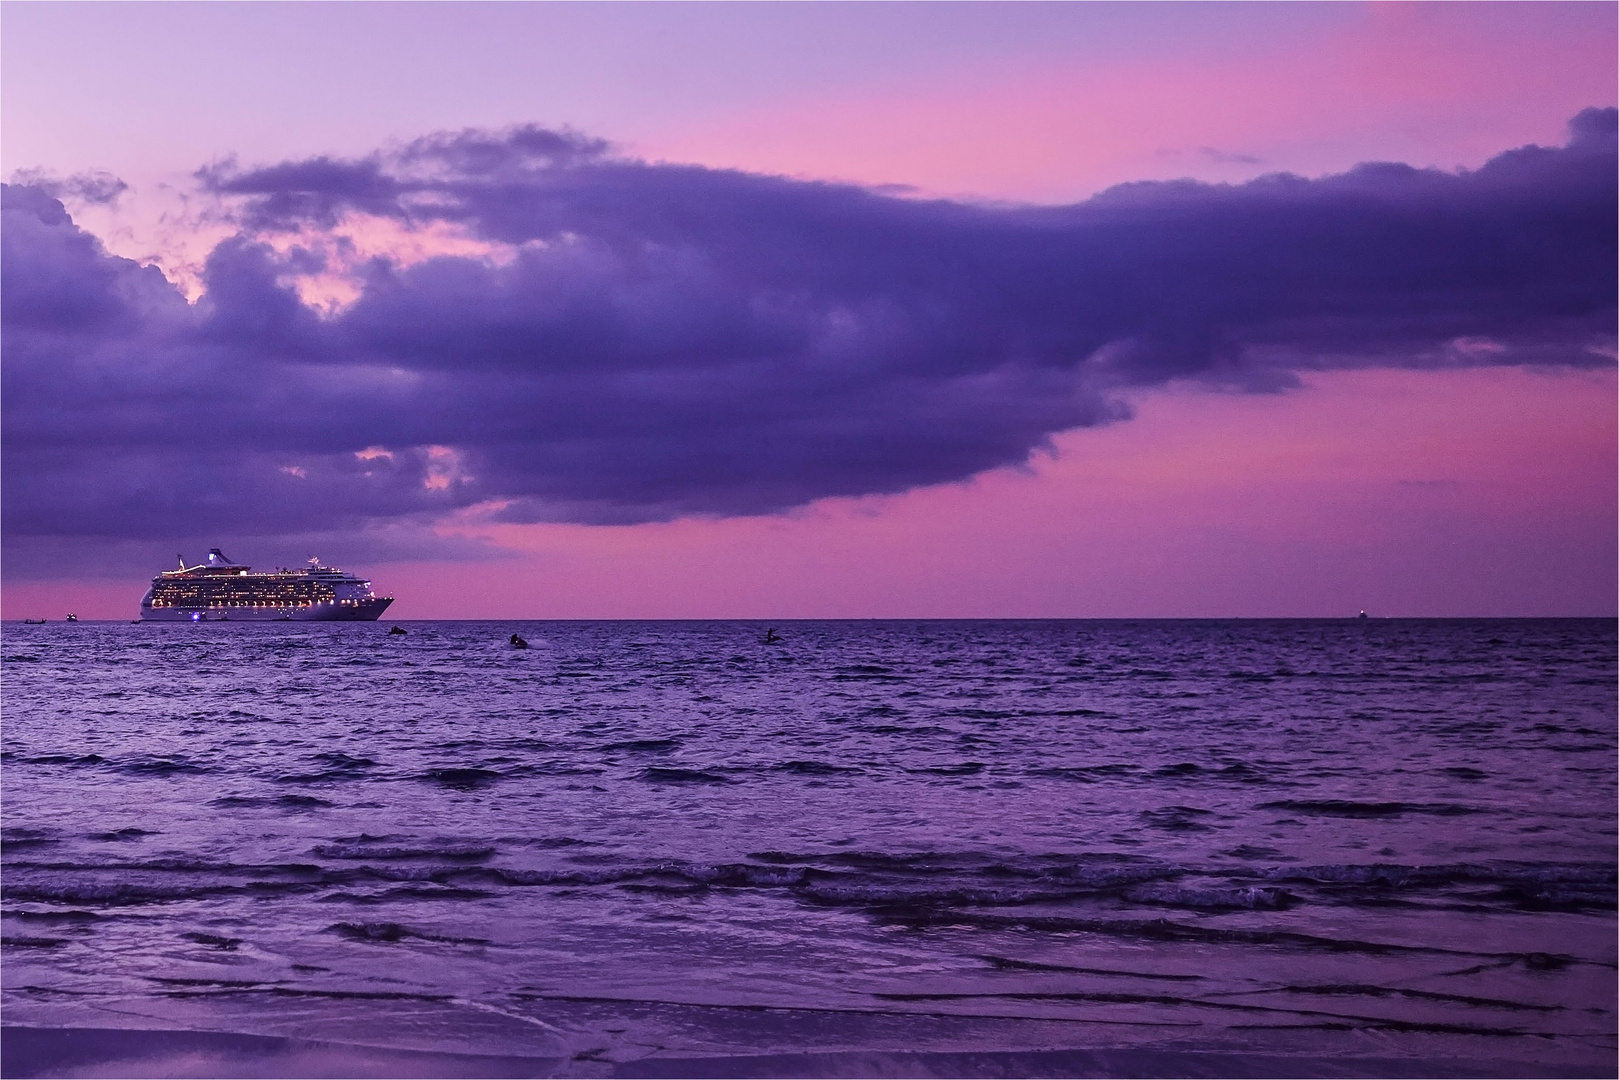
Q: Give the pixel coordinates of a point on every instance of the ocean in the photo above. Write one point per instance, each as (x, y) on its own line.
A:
(1248, 847)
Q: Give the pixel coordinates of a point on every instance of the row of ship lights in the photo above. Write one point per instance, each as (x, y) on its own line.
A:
(314, 567)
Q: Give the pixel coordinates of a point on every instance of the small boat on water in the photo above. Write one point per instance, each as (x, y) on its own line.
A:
(35, 622)
(72, 618)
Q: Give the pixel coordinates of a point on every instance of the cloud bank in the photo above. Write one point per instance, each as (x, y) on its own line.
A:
(619, 341)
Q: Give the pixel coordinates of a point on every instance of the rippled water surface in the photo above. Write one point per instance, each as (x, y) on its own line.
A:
(641, 839)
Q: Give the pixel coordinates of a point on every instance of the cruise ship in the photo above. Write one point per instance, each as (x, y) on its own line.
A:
(218, 590)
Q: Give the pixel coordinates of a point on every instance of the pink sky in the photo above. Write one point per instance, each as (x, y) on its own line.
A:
(1485, 492)
(1443, 85)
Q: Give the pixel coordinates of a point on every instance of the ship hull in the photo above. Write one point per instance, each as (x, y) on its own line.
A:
(330, 611)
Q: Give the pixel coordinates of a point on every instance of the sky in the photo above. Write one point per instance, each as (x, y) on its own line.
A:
(815, 310)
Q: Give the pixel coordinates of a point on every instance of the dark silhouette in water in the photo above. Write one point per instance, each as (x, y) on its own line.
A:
(518, 643)
(771, 637)
(396, 630)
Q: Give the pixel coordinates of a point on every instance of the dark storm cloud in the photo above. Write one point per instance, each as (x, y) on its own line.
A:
(663, 340)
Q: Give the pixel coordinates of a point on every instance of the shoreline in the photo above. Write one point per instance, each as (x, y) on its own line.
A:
(27, 1051)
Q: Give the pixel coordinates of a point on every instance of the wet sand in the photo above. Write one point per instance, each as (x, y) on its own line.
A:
(109, 1052)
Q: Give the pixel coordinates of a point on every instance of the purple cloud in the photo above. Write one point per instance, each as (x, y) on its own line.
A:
(673, 340)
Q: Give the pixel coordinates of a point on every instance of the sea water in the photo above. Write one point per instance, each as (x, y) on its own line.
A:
(639, 843)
